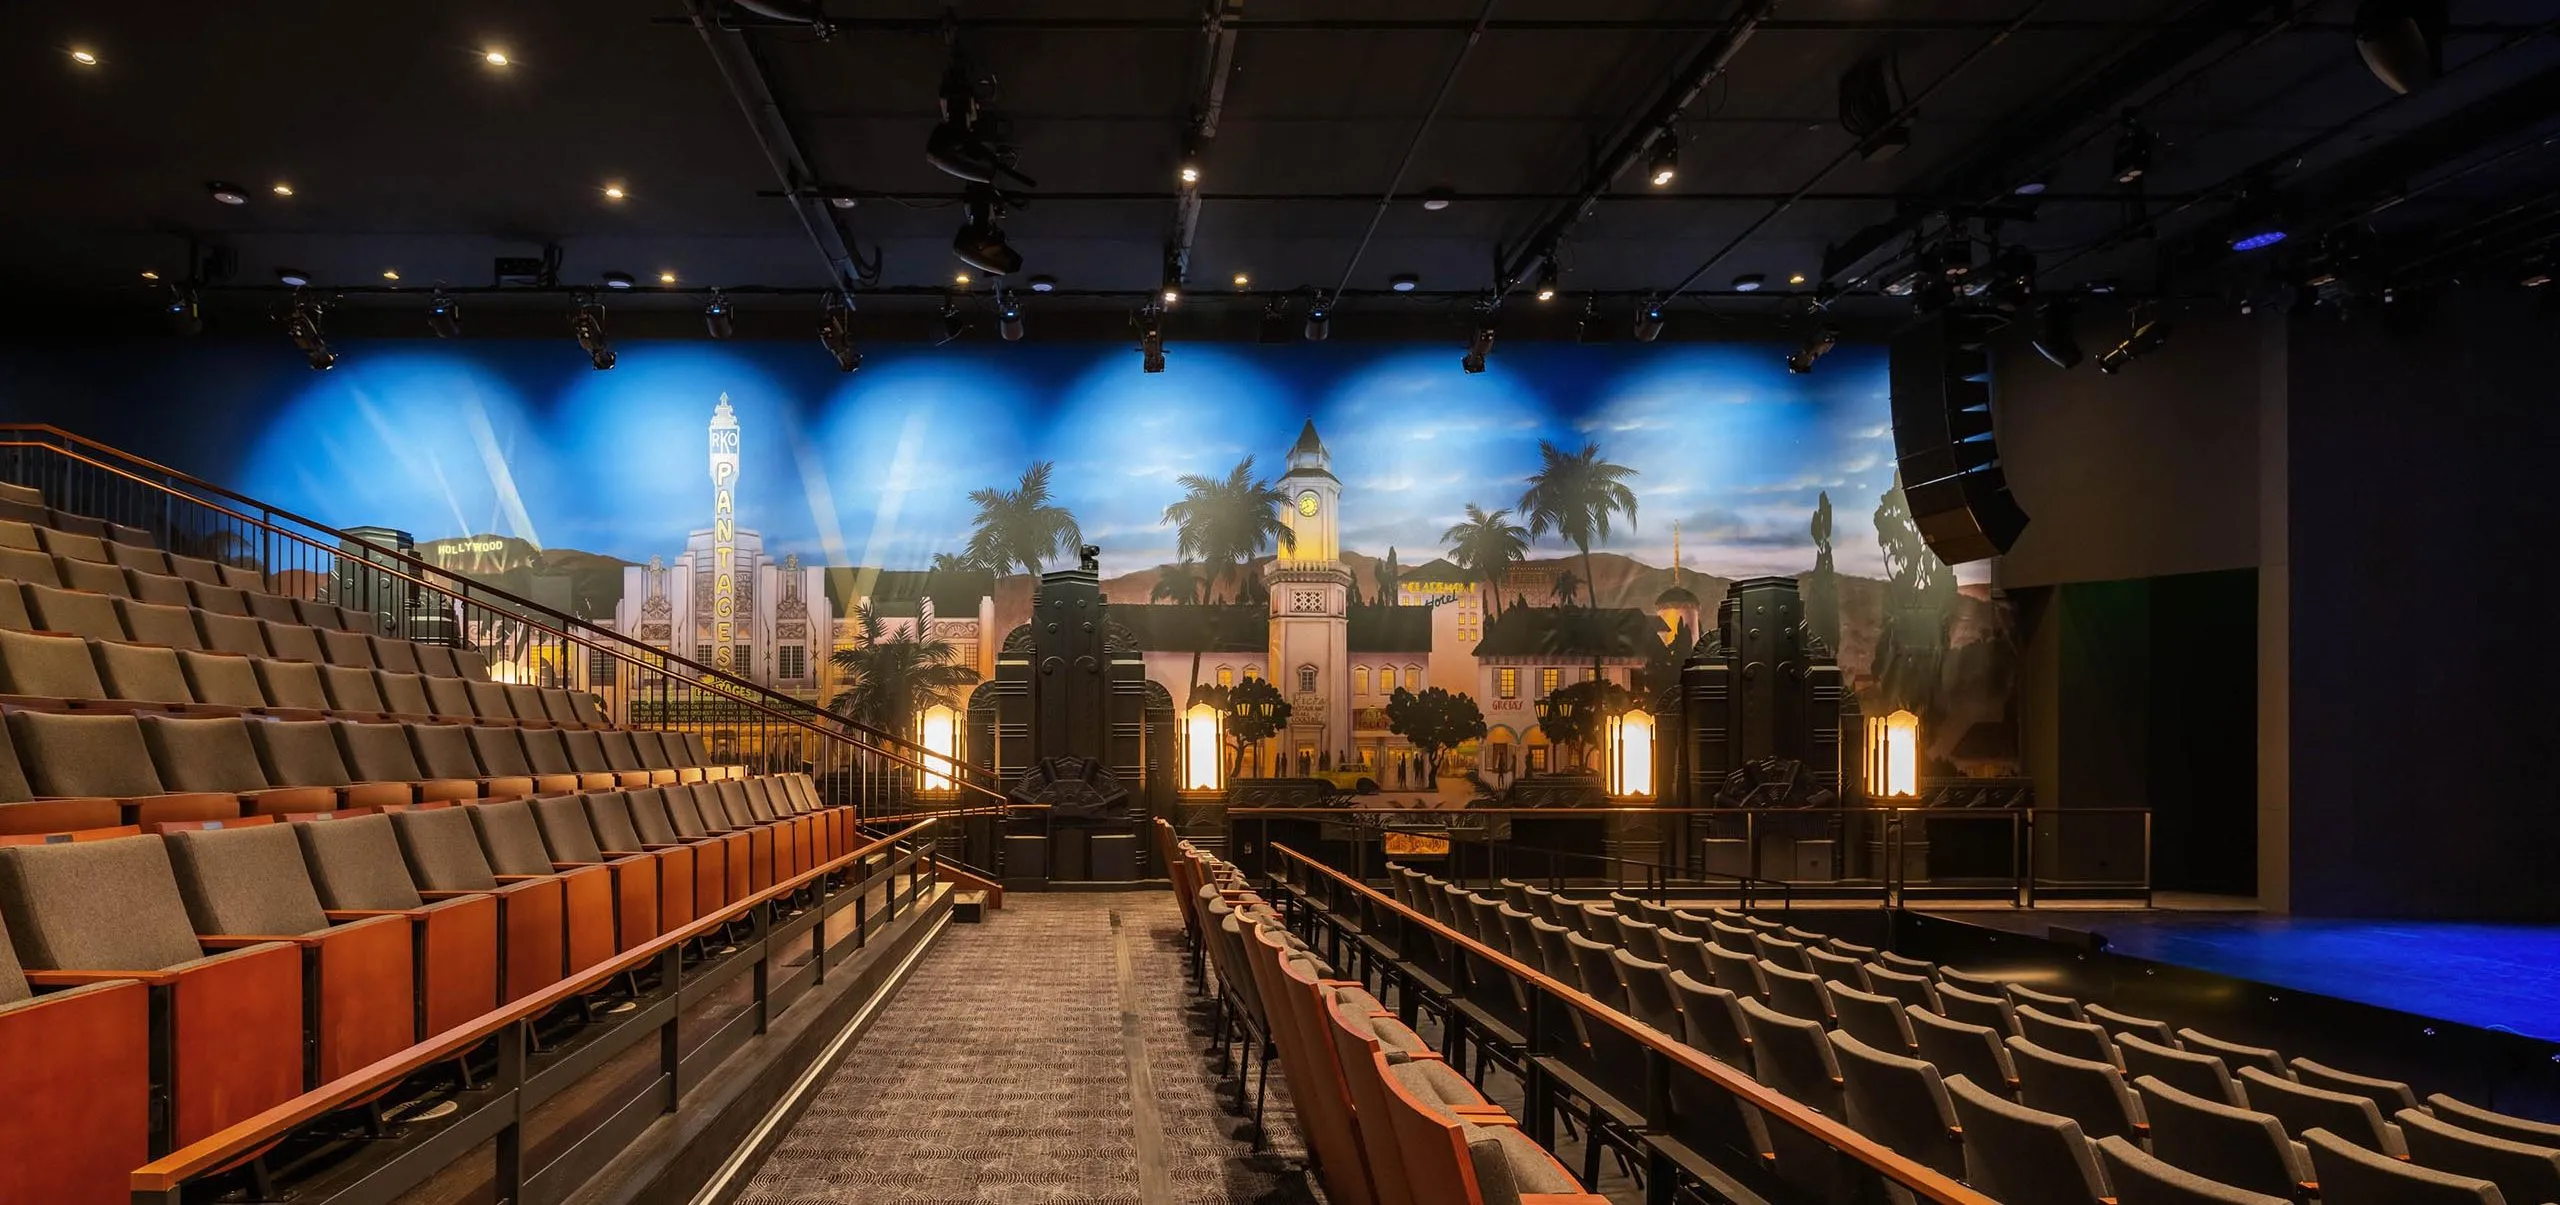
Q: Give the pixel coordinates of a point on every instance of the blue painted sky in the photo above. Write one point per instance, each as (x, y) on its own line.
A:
(874, 468)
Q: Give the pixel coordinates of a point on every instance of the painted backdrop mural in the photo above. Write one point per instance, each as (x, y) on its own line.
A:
(746, 500)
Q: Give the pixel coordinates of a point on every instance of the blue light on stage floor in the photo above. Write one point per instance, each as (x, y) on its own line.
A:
(2492, 976)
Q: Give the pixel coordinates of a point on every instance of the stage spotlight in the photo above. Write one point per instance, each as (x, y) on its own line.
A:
(84, 57)
(980, 243)
(302, 325)
(1479, 343)
(2402, 41)
(1437, 198)
(2534, 277)
(835, 332)
(1666, 159)
(186, 316)
(2133, 151)
(228, 194)
(2056, 337)
(1008, 316)
(1802, 360)
(1750, 282)
(586, 325)
(294, 277)
(1044, 284)
(718, 319)
(1319, 319)
(444, 315)
(1150, 323)
(1648, 321)
(1275, 321)
(2145, 339)
(1547, 280)
(1189, 171)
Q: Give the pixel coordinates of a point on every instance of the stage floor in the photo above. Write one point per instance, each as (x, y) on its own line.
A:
(2504, 977)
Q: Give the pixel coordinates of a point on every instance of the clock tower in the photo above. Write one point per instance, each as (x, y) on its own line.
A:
(1310, 592)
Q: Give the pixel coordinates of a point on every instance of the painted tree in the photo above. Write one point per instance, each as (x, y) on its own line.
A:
(1487, 544)
(1822, 585)
(953, 562)
(1021, 526)
(1254, 713)
(1181, 583)
(1580, 717)
(1225, 522)
(886, 679)
(1434, 722)
(1388, 572)
(1919, 609)
(1575, 495)
(1567, 588)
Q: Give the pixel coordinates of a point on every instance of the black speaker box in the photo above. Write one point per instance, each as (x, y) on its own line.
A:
(1942, 437)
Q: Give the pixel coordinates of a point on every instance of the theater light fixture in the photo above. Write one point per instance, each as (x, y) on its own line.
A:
(666, 278)
(444, 315)
(1823, 339)
(228, 194)
(1480, 341)
(1243, 281)
(84, 57)
(1436, 199)
(586, 324)
(2256, 239)
(2056, 337)
(2032, 188)
(2147, 337)
(719, 320)
(1795, 278)
(1189, 170)
(295, 277)
(1404, 282)
(1665, 162)
(186, 317)
(1547, 280)
(617, 280)
(148, 274)
(615, 192)
(302, 325)
(835, 332)
(953, 325)
(2402, 41)
(1648, 320)
(961, 280)
(2132, 158)
(1750, 282)
(980, 242)
(1008, 316)
(1150, 323)
(1044, 284)
(391, 274)
(496, 58)
(282, 189)
(1319, 319)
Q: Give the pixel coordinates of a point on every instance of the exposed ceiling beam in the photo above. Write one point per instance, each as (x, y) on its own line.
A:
(744, 72)
(1628, 150)
(1160, 195)
(1209, 102)
(1360, 25)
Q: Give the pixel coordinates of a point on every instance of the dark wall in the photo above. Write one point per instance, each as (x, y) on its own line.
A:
(2422, 608)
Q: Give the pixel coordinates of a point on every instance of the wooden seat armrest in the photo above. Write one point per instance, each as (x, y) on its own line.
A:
(85, 978)
(239, 941)
(434, 896)
(1485, 1114)
(570, 866)
(337, 915)
(1561, 1198)
(517, 880)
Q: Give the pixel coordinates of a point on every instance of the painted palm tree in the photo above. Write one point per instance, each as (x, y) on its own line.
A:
(885, 680)
(953, 562)
(1225, 522)
(1487, 544)
(1574, 494)
(1181, 582)
(1021, 526)
(1567, 586)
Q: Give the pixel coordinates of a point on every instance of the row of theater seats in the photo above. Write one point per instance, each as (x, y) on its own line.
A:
(159, 983)
(2030, 1096)
(26, 504)
(1386, 1120)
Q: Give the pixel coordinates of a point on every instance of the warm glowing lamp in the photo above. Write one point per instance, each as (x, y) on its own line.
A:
(1200, 748)
(938, 730)
(1631, 754)
(1893, 755)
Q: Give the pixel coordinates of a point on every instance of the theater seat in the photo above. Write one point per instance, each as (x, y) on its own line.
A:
(74, 756)
(595, 895)
(570, 831)
(444, 752)
(304, 753)
(445, 861)
(502, 755)
(223, 679)
(83, 1053)
(383, 753)
(226, 1025)
(245, 883)
(653, 823)
(218, 755)
(357, 871)
(434, 660)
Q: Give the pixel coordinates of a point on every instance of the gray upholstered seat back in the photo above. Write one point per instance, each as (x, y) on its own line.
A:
(356, 864)
(682, 812)
(1594, 972)
(1792, 1055)
(1907, 988)
(588, 709)
(499, 751)
(472, 664)
(95, 577)
(2353, 1174)
(586, 751)
(273, 608)
(204, 755)
(219, 599)
(2064, 1035)
(443, 750)
(292, 641)
(2087, 1091)
(147, 623)
(1796, 993)
(616, 824)
(434, 660)
(378, 752)
(245, 881)
(95, 906)
(1900, 1102)
(526, 699)
(2523, 1172)
(449, 697)
(2233, 1054)
(759, 795)
(300, 753)
(489, 700)
(2235, 1146)
(195, 569)
(402, 694)
(228, 633)
(293, 684)
(1974, 1008)
(652, 747)
(620, 753)
(544, 751)
(694, 750)
(353, 649)
(141, 673)
(137, 556)
(397, 656)
(2124, 1023)
(1961, 1049)
(222, 679)
(509, 837)
(55, 666)
(442, 849)
(566, 830)
(13, 978)
(556, 705)
(1649, 995)
(1870, 1018)
(2198, 1074)
(351, 688)
(71, 755)
(2136, 1178)
(75, 545)
(1736, 972)
(2014, 1153)
(732, 795)
(2304, 1108)
(78, 612)
(319, 614)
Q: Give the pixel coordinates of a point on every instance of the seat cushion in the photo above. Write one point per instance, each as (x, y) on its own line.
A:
(95, 905)
(442, 850)
(204, 755)
(355, 863)
(72, 755)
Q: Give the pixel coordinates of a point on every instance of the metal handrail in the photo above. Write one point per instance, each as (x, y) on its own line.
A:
(1657, 875)
(1928, 1184)
(548, 620)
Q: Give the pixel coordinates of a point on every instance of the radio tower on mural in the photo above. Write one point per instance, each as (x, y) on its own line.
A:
(724, 535)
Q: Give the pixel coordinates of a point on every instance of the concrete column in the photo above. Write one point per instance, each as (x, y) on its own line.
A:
(2275, 622)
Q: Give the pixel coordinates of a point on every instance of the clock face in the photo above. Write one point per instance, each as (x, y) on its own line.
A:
(1307, 503)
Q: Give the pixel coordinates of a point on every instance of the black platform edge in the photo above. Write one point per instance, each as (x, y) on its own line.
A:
(2494, 1068)
(706, 1152)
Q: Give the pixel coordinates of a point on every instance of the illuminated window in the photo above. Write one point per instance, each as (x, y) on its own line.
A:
(1306, 679)
(1508, 682)
(1547, 679)
(1386, 679)
(791, 662)
(702, 653)
(1253, 671)
(1413, 678)
(1226, 676)
(1360, 680)
(1589, 673)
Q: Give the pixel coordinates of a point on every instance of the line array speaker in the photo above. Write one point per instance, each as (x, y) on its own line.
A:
(1942, 437)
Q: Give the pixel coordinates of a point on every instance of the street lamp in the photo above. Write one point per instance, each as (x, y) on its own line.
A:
(1631, 734)
(1893, 755)
(1202, 747)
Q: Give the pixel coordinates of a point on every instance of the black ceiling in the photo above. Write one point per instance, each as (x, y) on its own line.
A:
(407, 152)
